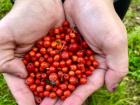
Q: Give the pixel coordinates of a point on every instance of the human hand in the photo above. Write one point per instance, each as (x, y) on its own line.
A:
(26, 23)
(106, 35)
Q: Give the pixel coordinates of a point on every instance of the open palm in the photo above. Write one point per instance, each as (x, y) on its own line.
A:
(104, 32)
(26, 23)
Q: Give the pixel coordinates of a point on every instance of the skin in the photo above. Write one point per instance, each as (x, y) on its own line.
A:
(106, 35)
(26, 23)
(96, 20)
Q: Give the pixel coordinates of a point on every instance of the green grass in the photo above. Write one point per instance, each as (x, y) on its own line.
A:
(128, 92)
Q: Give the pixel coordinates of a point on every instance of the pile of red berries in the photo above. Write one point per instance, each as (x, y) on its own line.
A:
(58, 63)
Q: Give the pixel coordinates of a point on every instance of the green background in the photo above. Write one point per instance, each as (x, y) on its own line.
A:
(128, 92)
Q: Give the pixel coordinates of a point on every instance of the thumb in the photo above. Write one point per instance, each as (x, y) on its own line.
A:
(15, 67)
(117, 62)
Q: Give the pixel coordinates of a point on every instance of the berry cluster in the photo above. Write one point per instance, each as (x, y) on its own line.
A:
(58, 63)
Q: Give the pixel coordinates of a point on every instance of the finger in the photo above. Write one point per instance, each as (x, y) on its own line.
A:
(82, 92)
(59, 102)
(15, 67)
(19, 90)
(68, 13)
(48, 101)
(117, 61)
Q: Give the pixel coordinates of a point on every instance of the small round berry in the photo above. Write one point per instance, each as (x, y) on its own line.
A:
(33, 87)
(43, 51)
(71, 87)
(73, 80)
(59, 92)
(52, 95)
(46, 93)
(39, 89)
(29, 81)
(83, 81)
(53, 77)
(48, 87)
(63, 86)
(67, 93)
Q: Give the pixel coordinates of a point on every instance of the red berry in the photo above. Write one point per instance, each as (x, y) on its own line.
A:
(25, 61)
(66, 76)
(88, 72)
(46, 56)
(29, 81)
(89, 52)
(32, 53)
(52, 69)
(95, 63)
(91, 58)
(91, 68)
(73, 47)
(38, 55)
(80, 60)
(63, 86)
(56, 31)
(43, 75)
(59, 92)
(80, 53)
(71, 73)
(67, 93)
(43, 51)
(72, 35)
(52, 53)
(67, 38)
(88, 63)
(47, 44)
(38, 75)
(52, 95)
(30, 67)
(41, 94)
(37, 81)
(46, 93)
(54, 44)
(39, 43)
(83, 81)
(50, 60)
(32, 75)
(62, 63)
(47, 38)
(57, 57)
(63, 97)
(84, 44)
(39, 89)
(55, 64)
(69, 62)
(33, 87)
(73, 80)
(71, 87)
(66, 24)
(41, 59)
(53, 77)
(65, 55)
(48, 87)
(78, 72)
(36, 63)
(74, 58)
(73, 67)
(60, 74)
(44, 65)
(65, 69)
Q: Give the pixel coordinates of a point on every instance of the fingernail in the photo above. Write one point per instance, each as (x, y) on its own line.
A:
(114, 87)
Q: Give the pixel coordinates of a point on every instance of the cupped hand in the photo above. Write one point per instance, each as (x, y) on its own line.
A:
(26, 23)
(106, 35)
